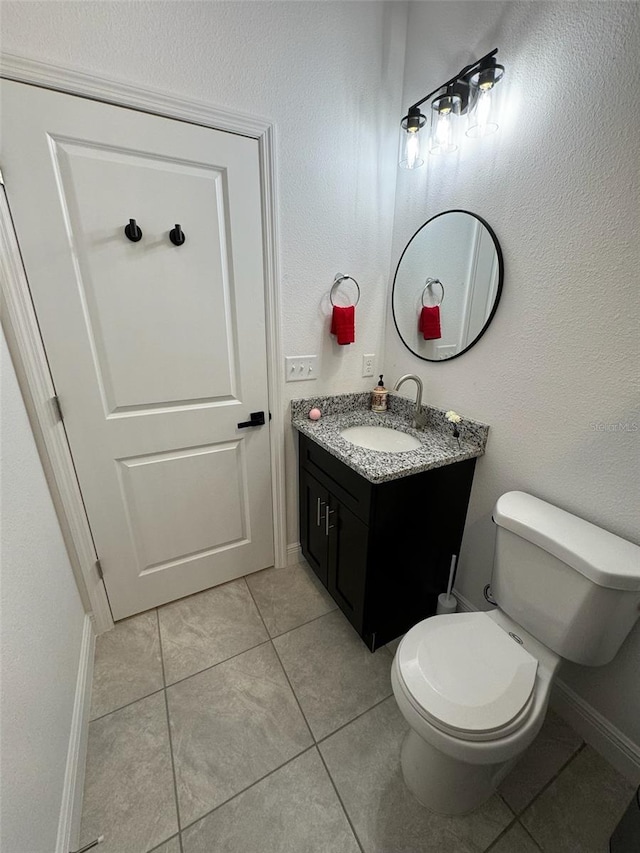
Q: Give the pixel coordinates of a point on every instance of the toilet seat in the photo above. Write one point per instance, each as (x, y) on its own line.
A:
(466, 676)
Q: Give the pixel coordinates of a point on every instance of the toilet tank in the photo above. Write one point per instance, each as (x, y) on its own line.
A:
(572, 585)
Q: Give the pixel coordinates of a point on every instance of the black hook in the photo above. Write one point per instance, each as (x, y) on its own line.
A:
(132, 231)
(176, 236)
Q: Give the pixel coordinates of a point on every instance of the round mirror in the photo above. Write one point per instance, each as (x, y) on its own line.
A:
(447, 285)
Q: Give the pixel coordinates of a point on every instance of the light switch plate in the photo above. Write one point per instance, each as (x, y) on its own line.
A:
(300, 368)
(367, 364)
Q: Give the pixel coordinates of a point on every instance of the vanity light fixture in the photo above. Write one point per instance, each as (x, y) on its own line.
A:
(469, 94)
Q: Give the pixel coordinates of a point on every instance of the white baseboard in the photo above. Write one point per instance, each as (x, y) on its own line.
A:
(595, 729)
(71, 807)
(294, 554)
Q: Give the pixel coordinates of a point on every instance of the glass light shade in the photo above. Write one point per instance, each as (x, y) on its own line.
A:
(445, 124)
(483, 118)
(410, 156)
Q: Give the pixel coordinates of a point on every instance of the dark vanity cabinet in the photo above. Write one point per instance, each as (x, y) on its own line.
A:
(383, 551)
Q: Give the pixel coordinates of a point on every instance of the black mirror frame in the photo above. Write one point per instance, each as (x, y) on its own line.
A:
(496, 301)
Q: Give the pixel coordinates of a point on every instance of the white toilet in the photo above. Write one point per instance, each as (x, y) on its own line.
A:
(474, 687)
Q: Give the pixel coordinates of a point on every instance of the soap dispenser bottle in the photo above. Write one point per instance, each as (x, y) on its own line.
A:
(379, 397)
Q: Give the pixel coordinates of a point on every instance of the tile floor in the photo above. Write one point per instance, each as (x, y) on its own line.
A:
(251, 719)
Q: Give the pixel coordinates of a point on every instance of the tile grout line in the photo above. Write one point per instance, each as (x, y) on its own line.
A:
(247, 788)
(344, 808)
(295, 627)
(166, 708)
(501, 835)
(313, 745)
(550, 781)
(517, 815)
(293, 692)
(127, 705)
(361, 714)
(166, 841)
(313, 737)
(501, 797)
(268, 639)
(206, 668)
(304, 717)
(191, 675)
(357, 717)
(526, 831)
(545, 788)
(213, 665)
(257, 645)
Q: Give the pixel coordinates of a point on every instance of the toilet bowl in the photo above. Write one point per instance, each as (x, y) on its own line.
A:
(474, 687)
(474, 698)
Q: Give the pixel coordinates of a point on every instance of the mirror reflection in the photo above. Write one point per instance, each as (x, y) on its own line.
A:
(447, 285)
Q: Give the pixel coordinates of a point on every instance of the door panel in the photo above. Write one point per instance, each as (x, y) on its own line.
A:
(120, 281)
(348, 538)
(314, 500)
(157, 490)
(157, 351)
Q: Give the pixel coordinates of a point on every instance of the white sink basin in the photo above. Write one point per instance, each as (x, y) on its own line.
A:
(380, 438)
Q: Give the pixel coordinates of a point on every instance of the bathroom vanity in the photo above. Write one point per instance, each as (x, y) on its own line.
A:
(379, 528)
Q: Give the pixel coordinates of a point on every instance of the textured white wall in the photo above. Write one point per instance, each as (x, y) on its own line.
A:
(559, 184)
(41, 621)
(330, 76)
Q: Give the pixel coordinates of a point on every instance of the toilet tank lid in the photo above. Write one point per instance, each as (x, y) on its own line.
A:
(604, 558)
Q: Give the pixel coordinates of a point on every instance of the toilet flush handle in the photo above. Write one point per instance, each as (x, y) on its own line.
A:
(489, 595)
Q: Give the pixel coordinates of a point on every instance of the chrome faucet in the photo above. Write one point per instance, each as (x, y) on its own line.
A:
(419, 417)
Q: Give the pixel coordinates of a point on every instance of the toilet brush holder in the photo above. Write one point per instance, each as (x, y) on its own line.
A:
(446, 604)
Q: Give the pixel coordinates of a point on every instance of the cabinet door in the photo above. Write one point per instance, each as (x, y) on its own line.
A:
(314, 501)
(348, 538)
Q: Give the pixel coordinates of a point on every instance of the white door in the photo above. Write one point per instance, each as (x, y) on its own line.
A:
(157, 351)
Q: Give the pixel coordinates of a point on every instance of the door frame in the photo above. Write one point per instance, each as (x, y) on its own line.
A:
(20, 322)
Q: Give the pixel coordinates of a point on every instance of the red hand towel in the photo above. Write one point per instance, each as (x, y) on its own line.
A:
(343, 324)
(429, 323)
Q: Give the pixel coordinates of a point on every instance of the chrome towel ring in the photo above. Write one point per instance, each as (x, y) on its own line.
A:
(431, 281)
(337, 281)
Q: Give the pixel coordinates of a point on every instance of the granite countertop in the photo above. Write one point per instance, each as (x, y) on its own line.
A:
(439, 447)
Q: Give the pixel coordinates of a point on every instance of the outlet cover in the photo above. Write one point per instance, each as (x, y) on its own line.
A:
(301, 368)
(367, 364)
